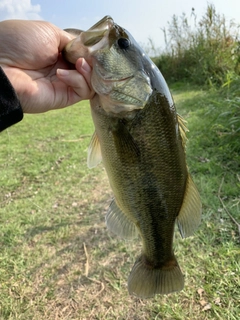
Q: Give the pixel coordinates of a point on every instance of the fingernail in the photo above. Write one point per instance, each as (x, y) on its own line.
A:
(63, 72)
(85, 66)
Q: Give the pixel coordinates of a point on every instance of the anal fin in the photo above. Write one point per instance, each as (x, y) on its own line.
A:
(118, 223)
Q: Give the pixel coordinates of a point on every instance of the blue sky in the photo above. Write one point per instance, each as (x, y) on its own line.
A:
(142, 18)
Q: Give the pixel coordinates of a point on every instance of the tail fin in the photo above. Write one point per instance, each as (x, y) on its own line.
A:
(145, 281)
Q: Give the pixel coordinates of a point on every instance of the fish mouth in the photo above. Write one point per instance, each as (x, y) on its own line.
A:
(96, 33)
(89, 41)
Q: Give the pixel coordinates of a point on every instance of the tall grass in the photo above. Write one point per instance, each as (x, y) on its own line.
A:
(202, 51)
(228, 122)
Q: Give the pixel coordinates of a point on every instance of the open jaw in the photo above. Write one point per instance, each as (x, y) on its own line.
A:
(96, 33)
(96, 38)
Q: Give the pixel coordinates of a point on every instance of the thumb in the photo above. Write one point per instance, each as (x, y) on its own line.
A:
(78, 80)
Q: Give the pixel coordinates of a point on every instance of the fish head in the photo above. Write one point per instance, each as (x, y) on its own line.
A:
(118, 64)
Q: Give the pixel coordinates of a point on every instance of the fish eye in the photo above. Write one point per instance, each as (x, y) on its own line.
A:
(123, 43)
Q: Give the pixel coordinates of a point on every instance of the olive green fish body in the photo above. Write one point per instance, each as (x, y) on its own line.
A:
(147, 180)
(141, 141)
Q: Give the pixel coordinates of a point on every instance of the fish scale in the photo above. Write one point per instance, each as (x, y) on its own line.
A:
(141, 141)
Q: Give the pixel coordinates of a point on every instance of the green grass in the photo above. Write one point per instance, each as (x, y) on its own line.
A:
(58, 261)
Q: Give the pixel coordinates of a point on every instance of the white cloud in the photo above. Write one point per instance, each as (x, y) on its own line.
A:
(15, 9)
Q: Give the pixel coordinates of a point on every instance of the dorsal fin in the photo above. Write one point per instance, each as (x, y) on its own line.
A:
(94, 152)
(183, 129)
(189, 216)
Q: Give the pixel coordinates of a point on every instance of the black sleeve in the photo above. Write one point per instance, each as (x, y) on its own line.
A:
(10, 107)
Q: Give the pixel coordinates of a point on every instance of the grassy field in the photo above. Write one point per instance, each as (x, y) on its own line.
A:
(58, 261)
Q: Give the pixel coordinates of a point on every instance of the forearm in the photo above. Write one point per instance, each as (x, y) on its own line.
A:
(10, 107)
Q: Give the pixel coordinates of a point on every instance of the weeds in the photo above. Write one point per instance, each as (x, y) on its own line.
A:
(200, 51)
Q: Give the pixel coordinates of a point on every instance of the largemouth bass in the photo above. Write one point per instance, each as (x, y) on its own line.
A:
(141, 141)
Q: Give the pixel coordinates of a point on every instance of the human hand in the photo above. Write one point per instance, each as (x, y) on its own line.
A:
(30, 56)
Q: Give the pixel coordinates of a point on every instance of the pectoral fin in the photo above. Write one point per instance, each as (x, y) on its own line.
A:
(118, 222)
(189, 216)
(94, 152)
(124, 142)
